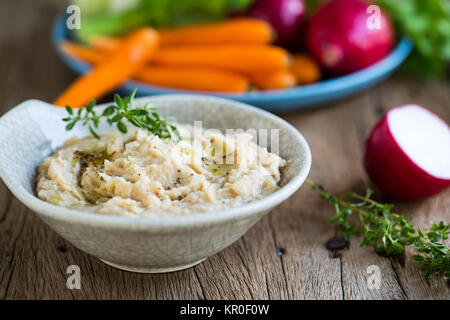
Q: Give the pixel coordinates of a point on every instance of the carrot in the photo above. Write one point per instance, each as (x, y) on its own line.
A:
(202, 79)
(86, 54)
(237, 31)
(241, 58)
(134, 52)
(193, 78)
(244, 30)
(278, 79)
(305, 69)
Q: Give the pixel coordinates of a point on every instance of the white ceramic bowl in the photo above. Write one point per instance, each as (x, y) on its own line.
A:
(33, 130)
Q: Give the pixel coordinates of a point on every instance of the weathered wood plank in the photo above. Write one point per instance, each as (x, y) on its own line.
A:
(338, 166)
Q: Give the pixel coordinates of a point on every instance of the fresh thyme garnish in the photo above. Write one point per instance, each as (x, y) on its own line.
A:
(389, 232)
(144, 117)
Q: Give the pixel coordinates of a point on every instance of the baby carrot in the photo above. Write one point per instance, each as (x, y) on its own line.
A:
(135, 51)
(243, 30)
(241, 58)
(193, 78)
(269, 80)
(305, 69)
(236, 31)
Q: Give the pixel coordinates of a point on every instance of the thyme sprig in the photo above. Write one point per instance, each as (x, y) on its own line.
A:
(388, 232)
(144, 117)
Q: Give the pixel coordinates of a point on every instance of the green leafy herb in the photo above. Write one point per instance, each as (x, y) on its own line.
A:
(144, 117)
(313, 5)
(388, 232)
(427, 23)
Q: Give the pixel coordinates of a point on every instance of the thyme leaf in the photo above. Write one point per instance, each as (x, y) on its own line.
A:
(389, 232)
(144, 117)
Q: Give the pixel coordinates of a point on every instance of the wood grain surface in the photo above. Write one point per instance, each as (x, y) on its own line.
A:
(282, 257)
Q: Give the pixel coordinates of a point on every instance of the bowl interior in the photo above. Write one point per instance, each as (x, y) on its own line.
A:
(33, 130)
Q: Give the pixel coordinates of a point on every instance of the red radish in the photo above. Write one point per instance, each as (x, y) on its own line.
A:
(344, 37)
(408, 153)
(285, 16)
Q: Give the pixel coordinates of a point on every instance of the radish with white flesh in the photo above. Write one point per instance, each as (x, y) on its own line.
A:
(408, 153)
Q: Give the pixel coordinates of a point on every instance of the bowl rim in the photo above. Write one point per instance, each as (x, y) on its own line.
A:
(166, 222)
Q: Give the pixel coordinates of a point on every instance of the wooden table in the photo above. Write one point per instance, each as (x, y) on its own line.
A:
(282, 257)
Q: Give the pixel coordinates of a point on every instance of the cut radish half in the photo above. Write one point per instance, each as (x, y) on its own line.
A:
(408, 153)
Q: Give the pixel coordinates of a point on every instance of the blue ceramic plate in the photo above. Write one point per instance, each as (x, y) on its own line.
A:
(300, 97)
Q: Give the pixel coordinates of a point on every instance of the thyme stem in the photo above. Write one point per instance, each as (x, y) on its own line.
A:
(144, 117)
(388, 232)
